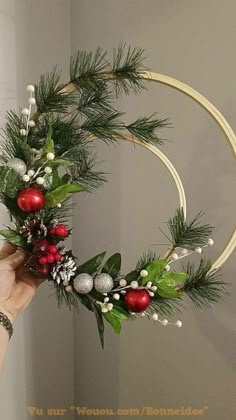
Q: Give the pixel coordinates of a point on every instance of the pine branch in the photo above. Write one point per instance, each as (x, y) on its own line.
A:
(104, 125)
(146, 259)
(188, 235)
(164, 306)
(95, 101)
(204, 287)
(146, 129)
(51, 96)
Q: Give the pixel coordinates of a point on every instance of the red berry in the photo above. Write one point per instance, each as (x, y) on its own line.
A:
(61, 230)
(58, 256)
(43, 260)
(43, 270)
(50, 258)
(52, 231)
(52, 249)
(41, 247)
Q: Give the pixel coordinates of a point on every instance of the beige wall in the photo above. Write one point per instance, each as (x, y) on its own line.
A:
(193, 41)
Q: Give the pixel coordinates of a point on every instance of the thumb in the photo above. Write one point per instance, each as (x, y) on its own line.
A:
(15, 259)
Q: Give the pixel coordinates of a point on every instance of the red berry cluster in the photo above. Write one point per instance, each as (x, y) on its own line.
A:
(47, 254)
(59, 230)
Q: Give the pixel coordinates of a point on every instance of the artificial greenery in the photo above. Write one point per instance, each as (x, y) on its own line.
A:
(68, 117)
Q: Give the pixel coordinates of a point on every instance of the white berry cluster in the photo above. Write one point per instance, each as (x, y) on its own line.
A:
(26, 112)
(174, 256)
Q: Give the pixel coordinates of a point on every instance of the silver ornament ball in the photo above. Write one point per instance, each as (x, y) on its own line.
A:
(83, 283)
(17, 164)
(103, 283)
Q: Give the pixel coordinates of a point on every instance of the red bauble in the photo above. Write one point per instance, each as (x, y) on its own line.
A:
(41, 247)
(52, 249)
(137, 300)
(30, 200)
(43, 270)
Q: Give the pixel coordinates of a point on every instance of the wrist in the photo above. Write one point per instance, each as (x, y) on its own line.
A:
(6, 324)
(8, 314)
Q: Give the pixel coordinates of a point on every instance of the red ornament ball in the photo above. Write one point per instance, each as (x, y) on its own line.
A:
(43, 270)
(52, 249)
(137, 300)
(41, 247)
(30, 200)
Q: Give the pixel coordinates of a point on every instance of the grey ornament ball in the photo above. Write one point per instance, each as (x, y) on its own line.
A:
(103, 283)
(83, 283)
(17, 164)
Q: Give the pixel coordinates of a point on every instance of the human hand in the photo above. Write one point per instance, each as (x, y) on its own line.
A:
(17, 285)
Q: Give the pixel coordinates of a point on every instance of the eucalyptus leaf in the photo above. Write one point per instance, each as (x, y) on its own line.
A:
(112, 265)
(13, 237)
(93, 265)
(58, 195)
(10, 181)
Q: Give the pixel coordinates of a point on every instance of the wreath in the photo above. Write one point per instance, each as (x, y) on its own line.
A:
(47, 155)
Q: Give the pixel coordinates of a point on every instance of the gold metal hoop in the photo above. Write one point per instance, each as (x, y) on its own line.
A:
(224, 126)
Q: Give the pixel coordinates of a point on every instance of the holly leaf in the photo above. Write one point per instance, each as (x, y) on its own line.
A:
(112, 265)
(10, 181)
(172, 279)
(13, 237)
(59, 194)
(93, 265)
(155, 270)
(168, 292)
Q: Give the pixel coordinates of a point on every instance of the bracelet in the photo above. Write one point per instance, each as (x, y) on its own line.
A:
(6, 323)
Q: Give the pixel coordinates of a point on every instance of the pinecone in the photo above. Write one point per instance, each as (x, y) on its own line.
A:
(33, 229)
(64, 270)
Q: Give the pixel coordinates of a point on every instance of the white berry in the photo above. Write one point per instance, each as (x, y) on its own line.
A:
(165, 322)
(47, 170)
(23, 132)
(143, 314)
(151, 294)
(198, 250)
(167, 267)
(30, 88)
(174, 256)
(32, 101)
(26, 178)
(106, 299)
(154, 288)
(50, 156)
(116, 296)
(134, 284)
(143, 273)
(69, 288)
(210, 242)
(40, 180)
(184, 251)
(178, 324)
(59, 205)
(123, 282)
(155, 317)
(104, 309)
(25, 111)
(31, 123)
(149, 285)
(110, 306)
(31, 173)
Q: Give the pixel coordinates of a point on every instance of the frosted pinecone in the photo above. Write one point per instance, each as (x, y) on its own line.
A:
(33, 229)
(64, 270)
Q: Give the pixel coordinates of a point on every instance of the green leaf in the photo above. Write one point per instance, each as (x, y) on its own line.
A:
(91, 266)
(10, 181)
(155, 270)
(172, 279)
(113, 320)
(112, 265)
(56, 179)
(49, 143)
(60, 162)
(13, 237)
(167, 292)
(120, 312)
(100, 322)
(58, 195)
(132, 275)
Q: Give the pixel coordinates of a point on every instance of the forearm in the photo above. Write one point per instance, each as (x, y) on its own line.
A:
(4, 340)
